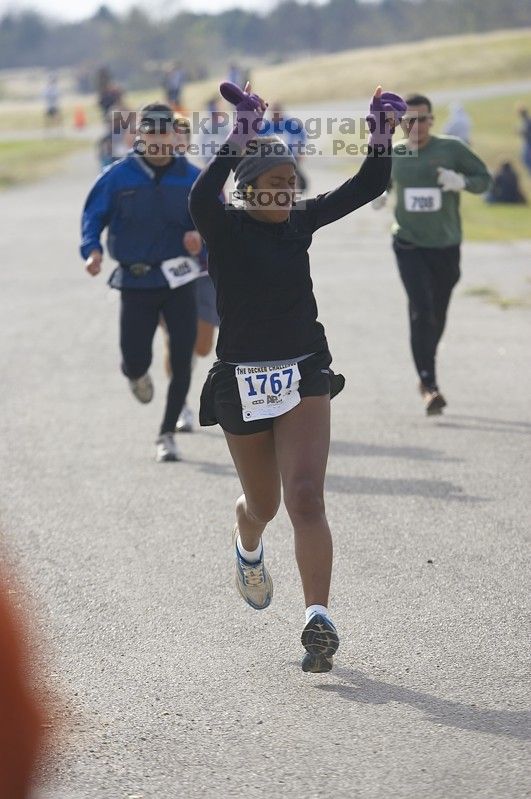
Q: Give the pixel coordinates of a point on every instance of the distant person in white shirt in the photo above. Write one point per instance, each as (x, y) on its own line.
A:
(459, 124)
(52, 111)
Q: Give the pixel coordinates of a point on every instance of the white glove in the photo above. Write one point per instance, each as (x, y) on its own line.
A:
(380, 202)
(449, 180)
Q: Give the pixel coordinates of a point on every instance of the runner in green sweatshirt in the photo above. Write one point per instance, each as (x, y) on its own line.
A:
(428, 174)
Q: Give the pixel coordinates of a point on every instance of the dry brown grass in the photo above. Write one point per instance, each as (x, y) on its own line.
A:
(469, 60)
(434, 63)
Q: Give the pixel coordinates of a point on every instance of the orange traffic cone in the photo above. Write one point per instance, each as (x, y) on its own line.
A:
(80, 118)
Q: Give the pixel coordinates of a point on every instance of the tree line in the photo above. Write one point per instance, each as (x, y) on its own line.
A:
(131, 42)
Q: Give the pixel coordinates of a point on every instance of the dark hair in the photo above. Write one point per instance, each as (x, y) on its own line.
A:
(418, 99)
(159, 108)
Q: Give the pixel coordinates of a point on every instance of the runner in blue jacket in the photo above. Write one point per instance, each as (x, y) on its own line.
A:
(142, 200)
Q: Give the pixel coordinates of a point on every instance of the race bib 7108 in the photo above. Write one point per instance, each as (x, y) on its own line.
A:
(423, 200)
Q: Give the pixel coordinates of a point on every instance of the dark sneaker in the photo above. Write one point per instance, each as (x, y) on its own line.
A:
(434, 401)
(320, 640)
(434, 404)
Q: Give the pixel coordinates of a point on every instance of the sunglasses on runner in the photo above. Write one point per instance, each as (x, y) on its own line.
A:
(421, 118)
(156, 126)
(151, 128)
(165, 125)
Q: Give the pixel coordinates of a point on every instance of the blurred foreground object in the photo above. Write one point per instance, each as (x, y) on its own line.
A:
(21, 716)
(80, 118)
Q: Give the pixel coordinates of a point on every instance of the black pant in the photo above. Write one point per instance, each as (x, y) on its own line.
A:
(429, 275)
(140, 313)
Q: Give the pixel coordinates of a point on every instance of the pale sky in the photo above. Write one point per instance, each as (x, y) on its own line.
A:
(79, 9)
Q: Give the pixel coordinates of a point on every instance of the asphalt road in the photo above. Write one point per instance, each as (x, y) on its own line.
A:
(170, 685)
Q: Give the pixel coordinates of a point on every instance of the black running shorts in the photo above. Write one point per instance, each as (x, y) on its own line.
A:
(220, 398)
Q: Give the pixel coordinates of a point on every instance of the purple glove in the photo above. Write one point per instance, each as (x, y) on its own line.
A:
(250, 109)
(382, 107)
(231, 92)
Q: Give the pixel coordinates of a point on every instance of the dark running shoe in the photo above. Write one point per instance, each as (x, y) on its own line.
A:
(320, 640)
(434, 404)
(434, 401)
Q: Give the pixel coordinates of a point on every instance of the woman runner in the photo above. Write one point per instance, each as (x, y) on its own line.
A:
(270, 389)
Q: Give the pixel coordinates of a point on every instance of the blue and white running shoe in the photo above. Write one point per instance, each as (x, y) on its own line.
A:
(253, 581)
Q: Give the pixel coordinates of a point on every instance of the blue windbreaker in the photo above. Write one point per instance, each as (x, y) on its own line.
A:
(146, 221)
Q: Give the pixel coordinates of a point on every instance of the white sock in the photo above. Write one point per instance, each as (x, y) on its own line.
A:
(313, 610)
(252, 556)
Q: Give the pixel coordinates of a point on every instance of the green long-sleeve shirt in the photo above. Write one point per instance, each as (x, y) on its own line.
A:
(426, 215)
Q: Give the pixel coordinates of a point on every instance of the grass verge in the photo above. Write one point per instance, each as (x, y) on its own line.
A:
(495, 138)
(434, 63)
(493, 297)
(26, 161)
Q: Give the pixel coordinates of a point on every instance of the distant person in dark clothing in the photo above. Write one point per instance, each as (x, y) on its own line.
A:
(505, 188)
(525, 132)
(236, 74)
(110, 96)
(173, 86)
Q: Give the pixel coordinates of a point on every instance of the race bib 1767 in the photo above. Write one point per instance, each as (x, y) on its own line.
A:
(268, 391)
(422, 200)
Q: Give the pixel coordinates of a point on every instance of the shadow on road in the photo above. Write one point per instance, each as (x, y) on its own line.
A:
(357, 449)
(219, 469)
(485, 424)
(439, 489)
(362, 689)
(489, 419)
(375, 486)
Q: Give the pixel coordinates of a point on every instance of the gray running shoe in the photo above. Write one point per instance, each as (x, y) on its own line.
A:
(253, 581)
(142, 388)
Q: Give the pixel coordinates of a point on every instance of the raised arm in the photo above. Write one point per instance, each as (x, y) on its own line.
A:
(373, 178)
(206, 208)
(371, 181)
